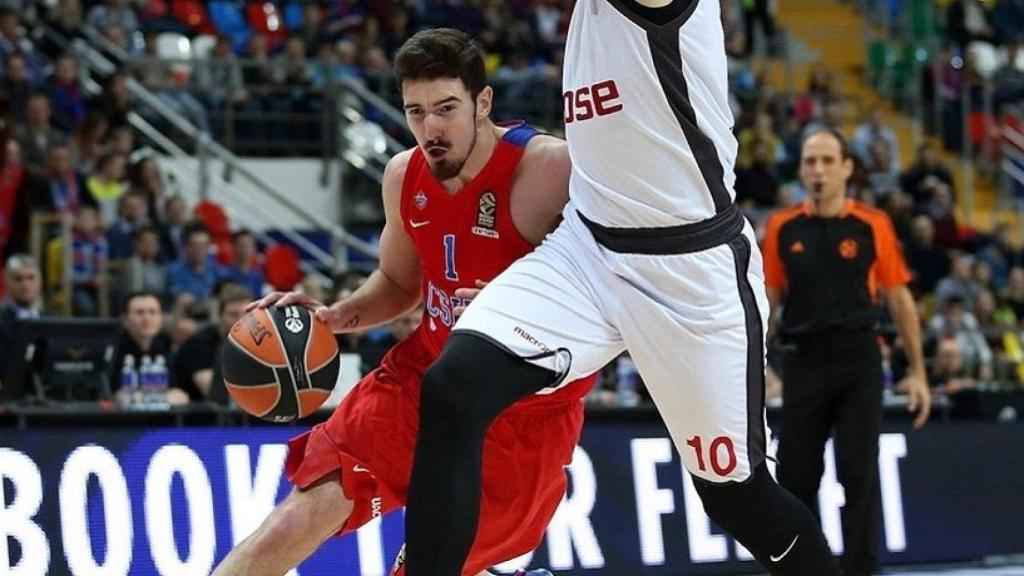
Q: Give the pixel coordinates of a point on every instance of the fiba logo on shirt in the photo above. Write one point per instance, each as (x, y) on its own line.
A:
(848, 248)
(292, 322)
(420, 200)
(486, 215)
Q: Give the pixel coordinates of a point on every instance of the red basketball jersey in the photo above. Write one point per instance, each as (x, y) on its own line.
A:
(460, 238)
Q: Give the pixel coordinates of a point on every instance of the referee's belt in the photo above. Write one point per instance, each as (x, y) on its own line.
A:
(715, 231)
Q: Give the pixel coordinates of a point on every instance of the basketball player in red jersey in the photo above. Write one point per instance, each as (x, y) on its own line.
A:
(467, 201)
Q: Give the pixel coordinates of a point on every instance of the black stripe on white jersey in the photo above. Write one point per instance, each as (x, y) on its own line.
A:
(668, 62)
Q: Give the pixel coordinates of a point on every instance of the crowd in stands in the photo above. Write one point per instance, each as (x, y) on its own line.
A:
(67, 153)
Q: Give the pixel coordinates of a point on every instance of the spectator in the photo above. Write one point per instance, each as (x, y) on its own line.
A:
(928, 262)
(1013, 295)
(993, 320)
(925, 174)
(106, 185)
(121, 141)
(143, 270)
(941, 210)
(220, 76)
(89, 267)
(1008, 21)
(883, 175)
(14, 41)
(871, 131)
(67, 94)
(762, 131)
(38, 134)
(312, 285)
(114, 13)
(1001, 254)
(145, 179)
(24, 301)
(958, 285)
(87, 142)
(65, 16)
(15, 199)
(195, 274)
(16, 86)
(955, 321)
(142, 335)
(900, 208)
(114, 103)
(246, 270)
(948, 374)
(131, 219)
(172, 232)
(757, 186)
(334, 64)
(196, 365)
(63, 189)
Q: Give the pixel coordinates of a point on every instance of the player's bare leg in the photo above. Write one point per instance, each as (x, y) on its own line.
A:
(292, 532)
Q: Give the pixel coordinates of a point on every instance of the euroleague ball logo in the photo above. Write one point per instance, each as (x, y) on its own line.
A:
(292, 322)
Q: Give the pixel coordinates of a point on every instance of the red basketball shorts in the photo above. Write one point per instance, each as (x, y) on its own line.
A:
(371, 438)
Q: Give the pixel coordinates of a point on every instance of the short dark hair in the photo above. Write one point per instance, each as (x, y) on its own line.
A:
(192, 228)
(242, 233)
(141, 294)
(442, 53)
(844, 148)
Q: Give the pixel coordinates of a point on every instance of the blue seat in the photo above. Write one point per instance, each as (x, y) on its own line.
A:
(227, 16)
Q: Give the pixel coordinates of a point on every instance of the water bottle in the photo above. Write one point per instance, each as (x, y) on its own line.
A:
(626, 382)
(146, 383)
(161, 381)
(129, 383)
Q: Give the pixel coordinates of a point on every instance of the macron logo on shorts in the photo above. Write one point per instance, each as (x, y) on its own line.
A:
(531, 339)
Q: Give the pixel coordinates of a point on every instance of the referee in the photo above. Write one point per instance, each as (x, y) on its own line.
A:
(826, 260)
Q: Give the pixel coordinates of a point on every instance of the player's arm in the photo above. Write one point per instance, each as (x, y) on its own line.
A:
(391, 290)
(541, 188)
(904, 313)
(394, 287)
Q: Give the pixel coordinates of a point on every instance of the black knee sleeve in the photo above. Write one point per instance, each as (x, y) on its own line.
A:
(770, 522)
(472, 382)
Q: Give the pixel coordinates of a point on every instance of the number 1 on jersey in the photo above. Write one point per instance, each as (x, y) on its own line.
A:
(449, 258)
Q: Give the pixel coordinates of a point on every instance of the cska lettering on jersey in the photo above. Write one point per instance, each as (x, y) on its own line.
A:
(600, 99)
(441, 305)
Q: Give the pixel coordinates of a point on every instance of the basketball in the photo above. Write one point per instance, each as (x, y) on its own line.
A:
(280, 364)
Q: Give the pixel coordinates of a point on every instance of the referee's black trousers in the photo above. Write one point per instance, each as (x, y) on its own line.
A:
(832, 385)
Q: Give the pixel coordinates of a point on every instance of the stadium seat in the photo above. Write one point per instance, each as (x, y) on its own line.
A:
(192, 13)
(265, 18)
(294, 15)
(282, 269)
(227, 16)
(215, 218)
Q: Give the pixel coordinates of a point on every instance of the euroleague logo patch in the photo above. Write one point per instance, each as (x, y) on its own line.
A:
(487, 215)
(292, 321)
(848, 248)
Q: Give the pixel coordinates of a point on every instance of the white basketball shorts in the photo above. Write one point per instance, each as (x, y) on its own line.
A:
(694, 324)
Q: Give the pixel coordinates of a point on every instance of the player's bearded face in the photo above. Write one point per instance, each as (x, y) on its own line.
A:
(443, 117)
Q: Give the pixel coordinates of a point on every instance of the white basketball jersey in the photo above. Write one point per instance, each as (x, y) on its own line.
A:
(647, 115)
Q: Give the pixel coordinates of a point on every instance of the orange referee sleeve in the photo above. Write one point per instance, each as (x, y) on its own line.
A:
(774, 270)
(890, 268)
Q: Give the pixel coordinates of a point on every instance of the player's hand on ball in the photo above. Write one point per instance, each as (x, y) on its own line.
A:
(467, 295)
(282, 299)
(340, 317)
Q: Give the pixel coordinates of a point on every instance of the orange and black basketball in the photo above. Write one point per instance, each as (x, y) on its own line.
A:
(280, 364)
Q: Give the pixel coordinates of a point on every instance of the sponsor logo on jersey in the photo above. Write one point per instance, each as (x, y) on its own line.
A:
(487, 215)
(588, 102)
(531, 339)
(420, 200)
